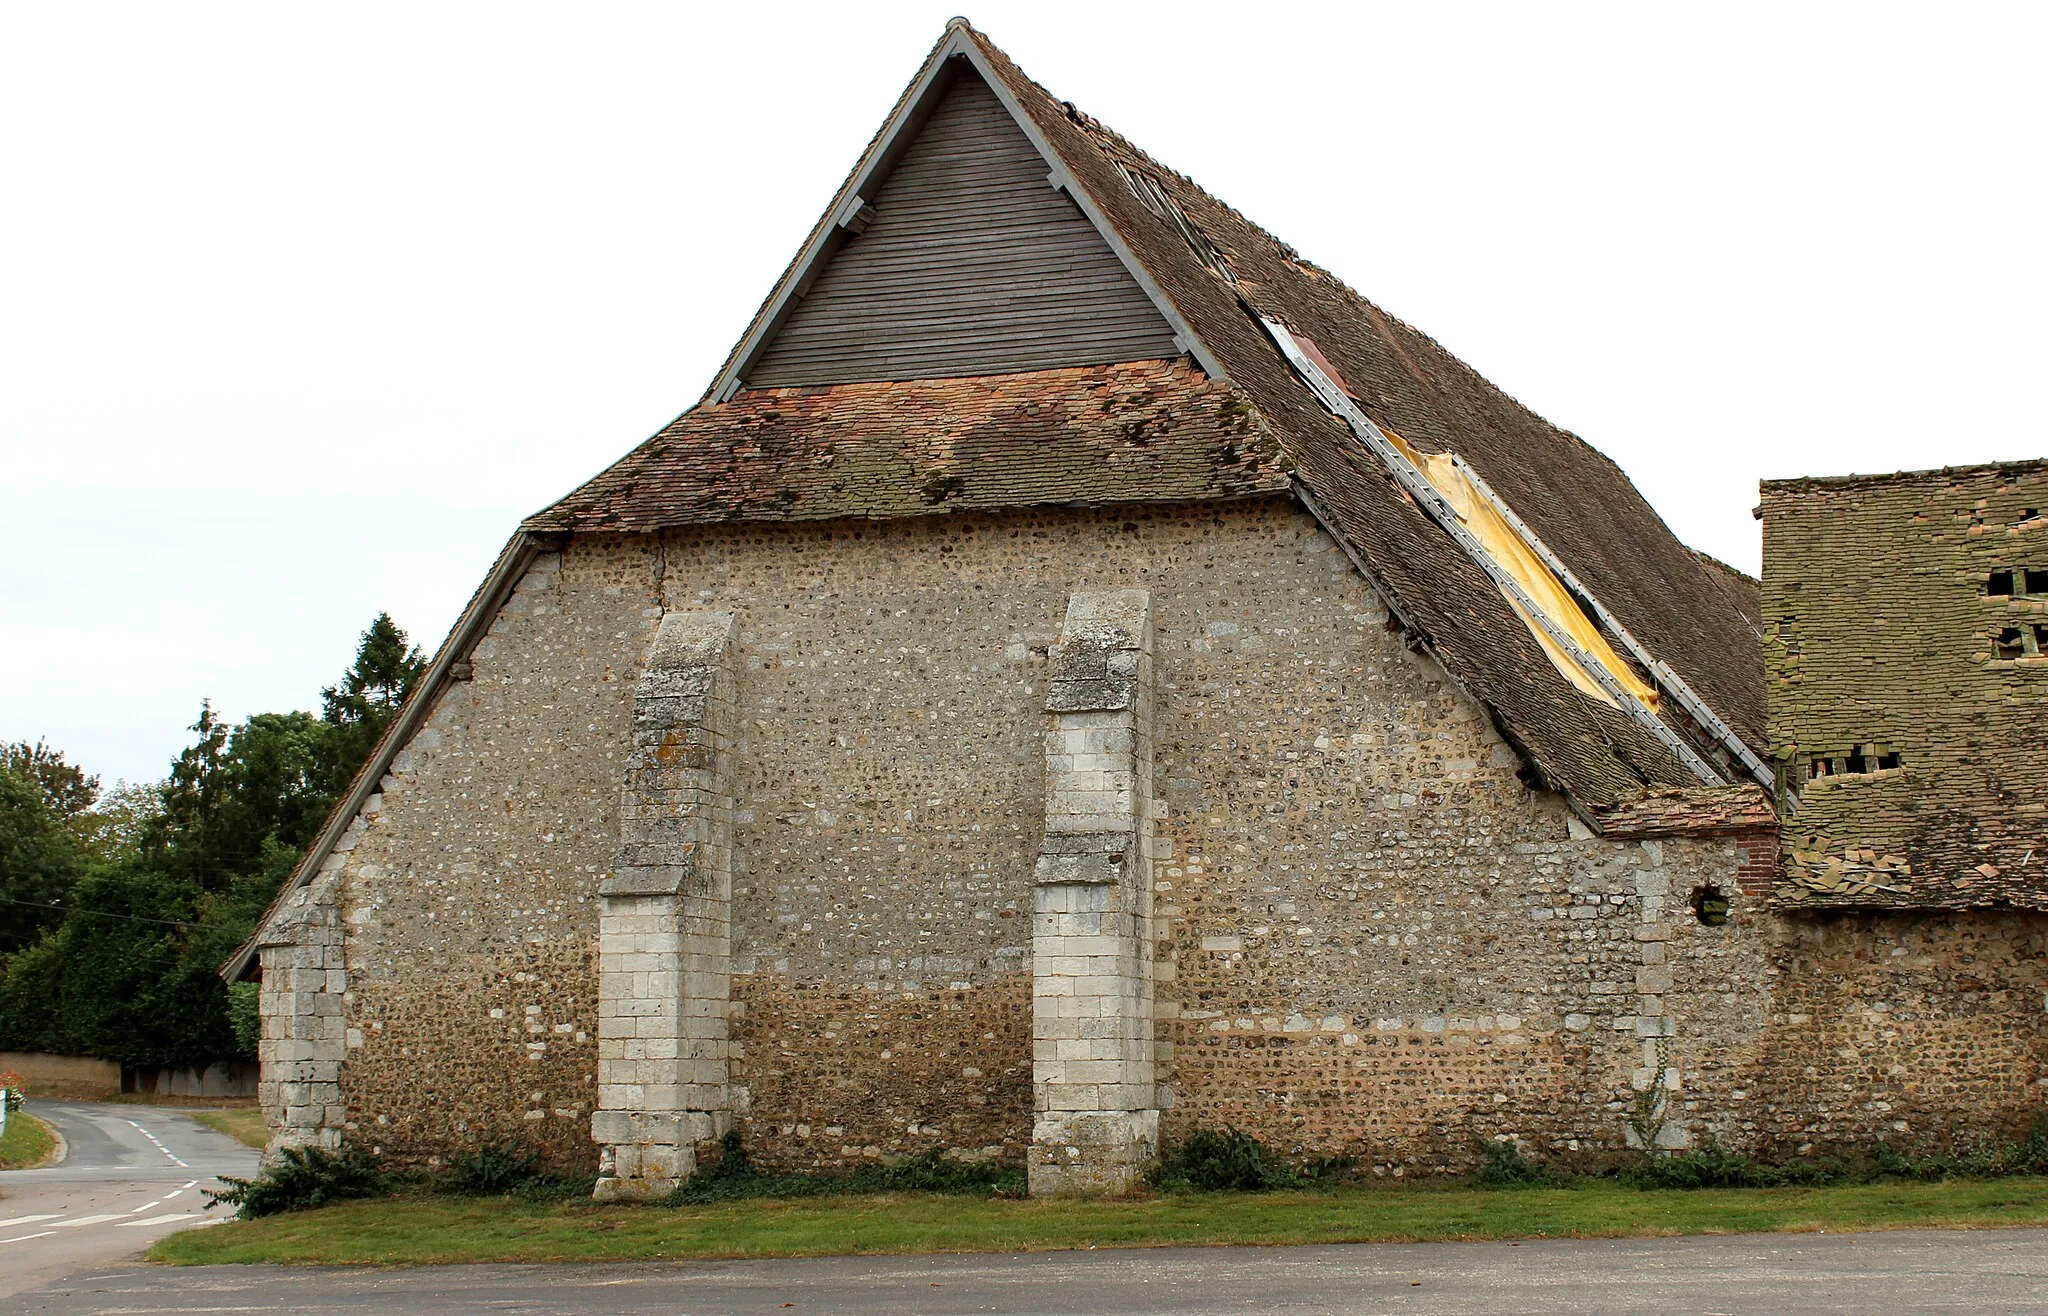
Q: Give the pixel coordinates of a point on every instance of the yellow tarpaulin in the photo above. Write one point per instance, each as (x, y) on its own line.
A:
(1514, 555)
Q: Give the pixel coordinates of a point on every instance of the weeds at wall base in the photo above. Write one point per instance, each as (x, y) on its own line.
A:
(734, 1177)
(1504, 1165)
(1206, 1161)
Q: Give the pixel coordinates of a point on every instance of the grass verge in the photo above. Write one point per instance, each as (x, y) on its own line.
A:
(244, 1125)
(422, 1229)
(28, 1143)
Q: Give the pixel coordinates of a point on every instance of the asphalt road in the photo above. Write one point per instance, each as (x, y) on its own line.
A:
(1920, 1271)
(130, 1175)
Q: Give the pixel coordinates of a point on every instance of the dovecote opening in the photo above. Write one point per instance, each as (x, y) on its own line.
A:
(1859, 761)
(2012, 642)
(2014, 582)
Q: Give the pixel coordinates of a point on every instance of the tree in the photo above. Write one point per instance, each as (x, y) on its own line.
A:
(39, 862)
(179, 873)
(66, 787)
(130, 973)
(118, 978)
(186, 831)
(236, 789)
(116, 826)
(368, 696)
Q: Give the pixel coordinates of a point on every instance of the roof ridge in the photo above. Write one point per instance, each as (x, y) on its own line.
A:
(1886, 477)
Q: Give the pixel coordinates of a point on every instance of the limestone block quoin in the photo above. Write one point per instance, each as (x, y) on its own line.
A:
(304, 1037)
(665, 920)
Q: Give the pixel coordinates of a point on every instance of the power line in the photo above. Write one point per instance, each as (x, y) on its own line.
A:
(102, 913)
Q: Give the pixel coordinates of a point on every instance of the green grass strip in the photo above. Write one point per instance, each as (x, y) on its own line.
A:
(28, 1143)
(245, 1126)
(422, 1229)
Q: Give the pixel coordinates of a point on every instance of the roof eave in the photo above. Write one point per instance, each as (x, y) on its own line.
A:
(513, 560)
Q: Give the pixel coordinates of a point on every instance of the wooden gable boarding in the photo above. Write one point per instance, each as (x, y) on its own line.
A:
(970, 256)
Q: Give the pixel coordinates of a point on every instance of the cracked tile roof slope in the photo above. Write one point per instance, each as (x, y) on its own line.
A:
(1165, 430)
(1906, 640)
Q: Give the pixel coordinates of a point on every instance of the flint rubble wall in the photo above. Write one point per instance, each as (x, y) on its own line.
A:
(1372, 939)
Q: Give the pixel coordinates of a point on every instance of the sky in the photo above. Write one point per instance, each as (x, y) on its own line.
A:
(302, 307)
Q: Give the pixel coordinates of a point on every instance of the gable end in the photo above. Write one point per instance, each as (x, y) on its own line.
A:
(968, 261)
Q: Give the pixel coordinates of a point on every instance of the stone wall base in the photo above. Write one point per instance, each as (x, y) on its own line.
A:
(647, 1155)
(1092, 1153)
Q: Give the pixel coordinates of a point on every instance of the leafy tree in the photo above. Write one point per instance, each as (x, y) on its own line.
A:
(245, 1015)
(39, 862)
(130, 974)
(235, 789)
(276, 790)
(66, 787)
(117, 825)
(179, 872)
(276, 776)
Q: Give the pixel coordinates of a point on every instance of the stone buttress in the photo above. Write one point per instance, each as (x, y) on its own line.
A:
(665, 923)
(1097, 1109)
(304, 1023)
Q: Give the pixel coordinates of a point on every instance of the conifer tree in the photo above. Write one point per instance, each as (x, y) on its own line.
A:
(368, 696)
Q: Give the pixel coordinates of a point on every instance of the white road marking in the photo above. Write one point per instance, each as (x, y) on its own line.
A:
(160, 1219)
(147, 1206)
(26, 1237)
(159, 1311)
(84, 1220)
(14, 1220)
(159, 1146)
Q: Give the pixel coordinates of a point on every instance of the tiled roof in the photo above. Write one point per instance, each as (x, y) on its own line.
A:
(1743, 590)
(787, 454)
(1145, 431)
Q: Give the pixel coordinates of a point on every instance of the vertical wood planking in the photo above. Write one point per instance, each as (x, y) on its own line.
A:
(974, 264)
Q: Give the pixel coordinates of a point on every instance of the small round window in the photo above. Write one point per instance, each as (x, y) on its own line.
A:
(1710, 906)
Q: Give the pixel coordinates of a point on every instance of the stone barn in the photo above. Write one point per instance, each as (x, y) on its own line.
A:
(1083, 674)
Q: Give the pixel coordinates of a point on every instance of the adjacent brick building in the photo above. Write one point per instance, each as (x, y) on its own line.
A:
(1906, 634)
(1081, 674)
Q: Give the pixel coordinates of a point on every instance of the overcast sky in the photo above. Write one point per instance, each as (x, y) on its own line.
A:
(303, 307)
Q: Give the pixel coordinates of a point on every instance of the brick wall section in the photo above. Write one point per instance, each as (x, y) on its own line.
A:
(1374, 939)
(1756, 861)
(1912, 1029)
(470, 900)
